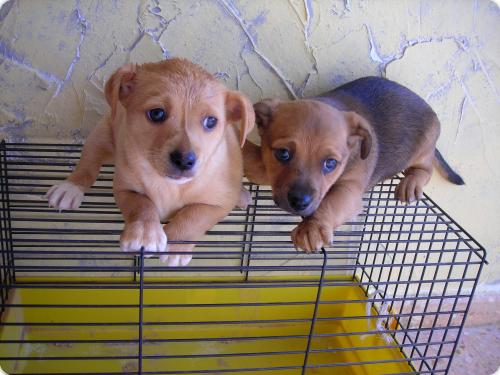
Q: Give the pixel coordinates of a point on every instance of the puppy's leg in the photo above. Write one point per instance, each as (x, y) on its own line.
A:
(189, 224)
(244, 199)
(411, 187)
(419, 170)
(97, 149)
(340, 204)
(253, 166)
(142, 223)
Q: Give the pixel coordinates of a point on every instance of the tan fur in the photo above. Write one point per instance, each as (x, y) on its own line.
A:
(147, 187)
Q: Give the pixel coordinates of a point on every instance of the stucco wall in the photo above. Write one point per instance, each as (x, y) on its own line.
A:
(56, 55)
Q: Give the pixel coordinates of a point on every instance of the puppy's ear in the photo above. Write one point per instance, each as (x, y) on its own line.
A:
(264, 112)
(119, 86)
(360, 130)
(239, 109)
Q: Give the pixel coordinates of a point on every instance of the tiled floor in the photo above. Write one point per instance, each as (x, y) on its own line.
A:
(478, 352)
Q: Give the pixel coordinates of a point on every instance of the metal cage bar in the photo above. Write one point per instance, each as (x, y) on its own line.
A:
(390, 296)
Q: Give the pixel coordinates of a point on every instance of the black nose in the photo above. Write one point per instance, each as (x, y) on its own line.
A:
(299, 199)
(183, 161)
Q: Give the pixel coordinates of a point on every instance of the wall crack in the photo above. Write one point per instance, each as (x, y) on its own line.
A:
(83, 24)
(234, 13)
(8, 53)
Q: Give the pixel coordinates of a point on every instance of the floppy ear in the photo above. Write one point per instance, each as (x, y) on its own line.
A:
(360, 130)
(264, 113)
(119, 86)
(239, 109)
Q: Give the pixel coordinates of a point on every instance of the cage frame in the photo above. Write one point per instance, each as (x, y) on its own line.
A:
(13, 159)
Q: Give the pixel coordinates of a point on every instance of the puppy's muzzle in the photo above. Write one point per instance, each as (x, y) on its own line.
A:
(184, 161)
(299, 198)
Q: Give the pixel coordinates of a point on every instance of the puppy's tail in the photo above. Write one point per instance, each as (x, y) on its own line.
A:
(445, 170)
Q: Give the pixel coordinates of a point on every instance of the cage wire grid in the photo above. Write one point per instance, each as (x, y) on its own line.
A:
(390, 296)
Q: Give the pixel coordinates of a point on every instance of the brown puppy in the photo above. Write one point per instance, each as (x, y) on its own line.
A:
(176, 156)
(321, 155)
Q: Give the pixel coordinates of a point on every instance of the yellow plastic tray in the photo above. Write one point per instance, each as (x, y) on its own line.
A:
(343, 342)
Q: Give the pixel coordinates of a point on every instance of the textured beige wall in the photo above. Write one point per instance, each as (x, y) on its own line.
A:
(56, 55)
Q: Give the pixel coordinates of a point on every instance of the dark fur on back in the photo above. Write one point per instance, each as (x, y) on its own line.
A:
(399, 117)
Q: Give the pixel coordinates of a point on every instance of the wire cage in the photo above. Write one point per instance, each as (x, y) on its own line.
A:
(389, 297)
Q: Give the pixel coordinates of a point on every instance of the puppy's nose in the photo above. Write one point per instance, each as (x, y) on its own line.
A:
(183, 161)
(299, 199)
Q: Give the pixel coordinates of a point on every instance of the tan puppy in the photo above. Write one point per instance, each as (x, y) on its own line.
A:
(321, 155)
(176, 156)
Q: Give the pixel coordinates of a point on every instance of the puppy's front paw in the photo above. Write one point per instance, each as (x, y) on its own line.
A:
(65, 196)
(245, 199)
(149, 235)
(409, 189)
(177, 260)
(311, 235)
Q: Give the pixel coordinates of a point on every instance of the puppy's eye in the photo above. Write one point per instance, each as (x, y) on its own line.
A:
(156, 115)
(282, 154)
(209, 122)
(329, 165)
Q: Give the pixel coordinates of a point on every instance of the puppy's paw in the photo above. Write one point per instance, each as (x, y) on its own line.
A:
(409, 189)
(311, 235)
(245, 199)
(138, 234)
(177, 260)
(65, 196)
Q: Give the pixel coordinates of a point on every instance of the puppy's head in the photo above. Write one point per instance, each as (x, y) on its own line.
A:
(176, 114)
(305, 148)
